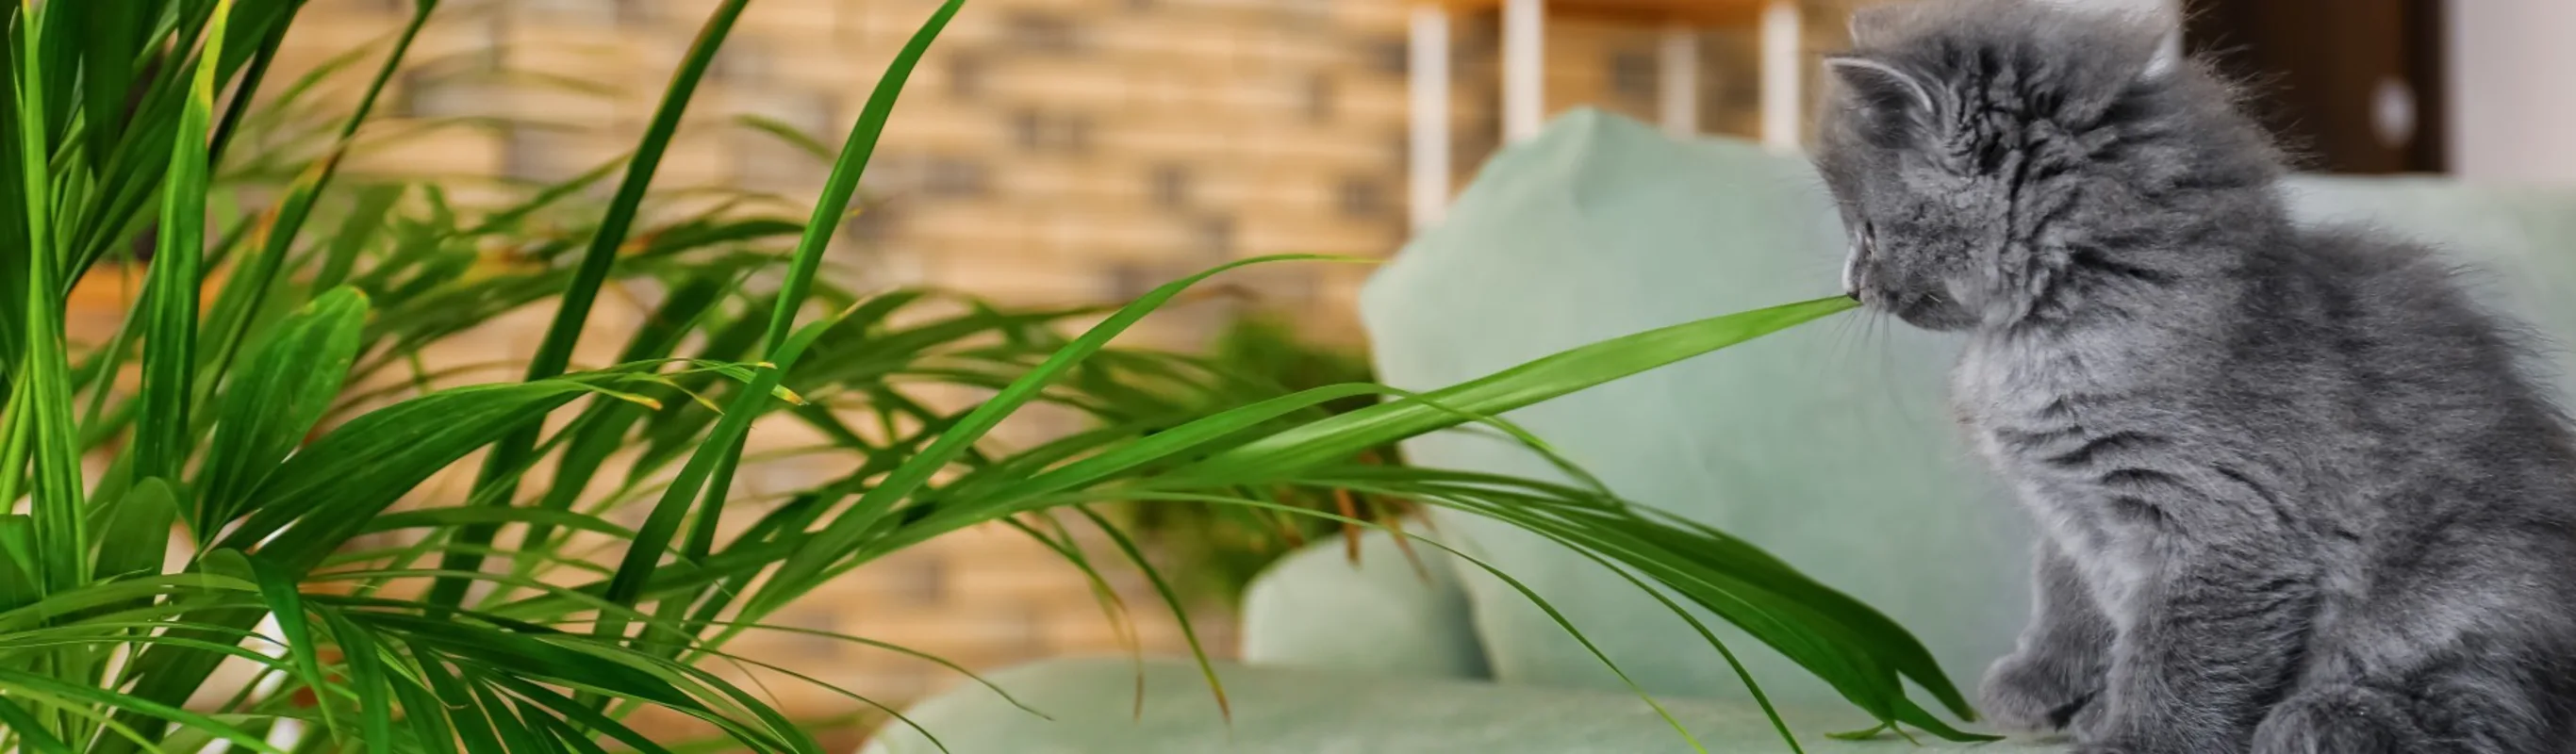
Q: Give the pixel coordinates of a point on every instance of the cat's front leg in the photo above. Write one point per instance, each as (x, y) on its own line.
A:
(2053, 677)
(2206, 638)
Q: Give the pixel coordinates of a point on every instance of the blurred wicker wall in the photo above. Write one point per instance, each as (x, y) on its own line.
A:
(1046, 151)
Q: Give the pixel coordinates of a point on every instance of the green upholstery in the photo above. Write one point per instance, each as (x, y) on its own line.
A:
(1317, 610)
(1829, 445)
(1297, 711)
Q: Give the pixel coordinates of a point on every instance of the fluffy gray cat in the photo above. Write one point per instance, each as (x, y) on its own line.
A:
(2298, 493)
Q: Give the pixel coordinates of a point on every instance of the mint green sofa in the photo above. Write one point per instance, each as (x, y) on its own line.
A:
(1828, 445)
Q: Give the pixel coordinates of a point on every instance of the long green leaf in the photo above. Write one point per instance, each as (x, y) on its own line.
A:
(286, 606)
(42, 418)
(112, 39)
(17, 223)
(601, 431)
(368, 677)
(581, 715)
(21, 582)
(718, 457)
(233, 317)
(170, 331)
(1171, 599)
(431, 731)
(445, 518)
(532, 657)
(272, 34)
(843, 534)
(114, 700)
(499, 473)
(340, 253)
(515, 735)
(331, 489)
(136, 536)
(457, 704)
(30, 732)
(1345, 434)
(271, 405)
(846, 170)
(722, 449)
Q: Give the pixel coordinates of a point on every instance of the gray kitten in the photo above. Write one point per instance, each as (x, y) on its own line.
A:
(2297, 492)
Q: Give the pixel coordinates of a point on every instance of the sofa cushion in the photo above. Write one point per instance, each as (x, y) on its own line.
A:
(1829, 445)
(1386, 614)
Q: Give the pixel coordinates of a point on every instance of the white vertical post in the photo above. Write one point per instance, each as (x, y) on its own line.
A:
(1429, 86)
(2509, 119)
(1782, 101)
(1524, 69)
(284, 734)
(1680, 100)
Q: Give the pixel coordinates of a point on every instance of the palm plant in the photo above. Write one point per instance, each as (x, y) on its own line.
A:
(262, 431)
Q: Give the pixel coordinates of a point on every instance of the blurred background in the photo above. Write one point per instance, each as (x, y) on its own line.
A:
(1053, 152)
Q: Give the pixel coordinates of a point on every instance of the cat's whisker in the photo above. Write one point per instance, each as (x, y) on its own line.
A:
(1888, 369)
(1838, 340)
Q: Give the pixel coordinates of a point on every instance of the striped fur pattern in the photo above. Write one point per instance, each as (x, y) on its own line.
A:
(2299, 491)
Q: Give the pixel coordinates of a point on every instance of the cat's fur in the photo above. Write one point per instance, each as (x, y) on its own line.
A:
(2298, 493)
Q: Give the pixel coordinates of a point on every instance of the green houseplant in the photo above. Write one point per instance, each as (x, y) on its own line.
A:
(476, 624)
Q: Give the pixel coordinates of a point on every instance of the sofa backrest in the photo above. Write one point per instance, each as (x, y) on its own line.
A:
(1829, 445)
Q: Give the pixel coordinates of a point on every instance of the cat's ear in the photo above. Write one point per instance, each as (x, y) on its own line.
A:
(1889, 106)
(1881, 88)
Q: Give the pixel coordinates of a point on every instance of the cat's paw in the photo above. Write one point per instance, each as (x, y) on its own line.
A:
(2340, 719)
(2033, 695)
(2156, 745)
(2130, 730)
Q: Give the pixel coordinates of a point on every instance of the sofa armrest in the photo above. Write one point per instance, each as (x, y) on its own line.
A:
(1315, 609)
(1088, 708)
